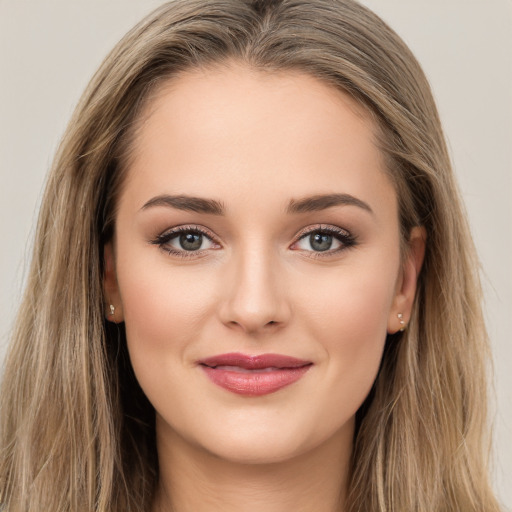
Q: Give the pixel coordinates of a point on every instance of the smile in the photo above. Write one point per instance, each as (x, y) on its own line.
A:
(254, 375)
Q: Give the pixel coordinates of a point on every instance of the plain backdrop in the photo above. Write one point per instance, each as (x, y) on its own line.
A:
(50, 48)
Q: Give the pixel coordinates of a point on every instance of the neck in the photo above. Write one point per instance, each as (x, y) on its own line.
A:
(195, 480)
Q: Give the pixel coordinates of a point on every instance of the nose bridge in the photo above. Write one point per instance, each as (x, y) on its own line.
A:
(255, 298)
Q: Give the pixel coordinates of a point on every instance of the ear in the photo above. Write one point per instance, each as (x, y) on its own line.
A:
(407, 281)
(114, 311)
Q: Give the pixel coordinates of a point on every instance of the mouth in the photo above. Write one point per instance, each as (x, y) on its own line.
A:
(254, 375)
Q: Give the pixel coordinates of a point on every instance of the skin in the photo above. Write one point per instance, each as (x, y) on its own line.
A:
(253, 142)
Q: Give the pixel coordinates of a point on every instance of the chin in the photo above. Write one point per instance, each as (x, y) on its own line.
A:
(255, 454)
(260, 443)
(256, 450)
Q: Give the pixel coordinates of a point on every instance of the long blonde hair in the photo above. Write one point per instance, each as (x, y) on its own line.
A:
(77, 433)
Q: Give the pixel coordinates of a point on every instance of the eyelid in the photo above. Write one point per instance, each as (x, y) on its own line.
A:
(344, 237)
(327, 228)
(185, 228)
(166, 236)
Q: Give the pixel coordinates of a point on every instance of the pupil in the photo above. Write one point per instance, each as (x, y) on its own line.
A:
(191, 241)
(320, 241)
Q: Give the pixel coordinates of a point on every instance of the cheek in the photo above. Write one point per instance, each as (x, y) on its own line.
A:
(164, 310)
(352, 304)
(357, 338)
(349, 318)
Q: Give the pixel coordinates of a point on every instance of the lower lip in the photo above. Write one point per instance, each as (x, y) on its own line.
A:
(253, 383)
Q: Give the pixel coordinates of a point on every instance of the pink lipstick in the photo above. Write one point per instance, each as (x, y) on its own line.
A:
(254, 375)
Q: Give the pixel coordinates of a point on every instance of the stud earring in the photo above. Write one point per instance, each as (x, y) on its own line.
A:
(402, 322)
(112, 310)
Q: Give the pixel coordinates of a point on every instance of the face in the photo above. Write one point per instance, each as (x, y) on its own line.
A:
(256, 262)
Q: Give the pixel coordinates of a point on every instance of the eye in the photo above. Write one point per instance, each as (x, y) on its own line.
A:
(324, 239)
(185, 241)
(318, 242)
(189, 241)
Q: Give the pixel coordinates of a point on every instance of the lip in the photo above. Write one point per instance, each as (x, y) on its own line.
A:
(254, 375)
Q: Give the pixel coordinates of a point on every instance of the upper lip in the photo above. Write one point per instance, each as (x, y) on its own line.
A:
(255, 362)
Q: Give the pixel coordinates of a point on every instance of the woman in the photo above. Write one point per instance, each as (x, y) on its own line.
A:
(253, 285)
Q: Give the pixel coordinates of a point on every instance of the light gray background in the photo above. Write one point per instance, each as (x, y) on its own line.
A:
(50, 48)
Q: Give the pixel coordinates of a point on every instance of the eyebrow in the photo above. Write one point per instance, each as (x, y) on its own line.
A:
(322, 202)
(187, 203)
(214, 207)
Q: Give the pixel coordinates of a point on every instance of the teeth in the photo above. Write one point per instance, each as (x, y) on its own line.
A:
(246, 370)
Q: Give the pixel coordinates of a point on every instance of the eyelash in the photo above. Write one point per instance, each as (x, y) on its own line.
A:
(163, 239)
(346, 239)
(341, 235)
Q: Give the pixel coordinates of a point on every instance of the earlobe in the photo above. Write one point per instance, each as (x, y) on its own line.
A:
(114, 312)
(400, 313)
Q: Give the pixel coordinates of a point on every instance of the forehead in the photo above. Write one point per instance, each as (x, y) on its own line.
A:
(231, 126)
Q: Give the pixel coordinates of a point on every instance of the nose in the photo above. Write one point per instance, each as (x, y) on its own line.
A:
(255, 299)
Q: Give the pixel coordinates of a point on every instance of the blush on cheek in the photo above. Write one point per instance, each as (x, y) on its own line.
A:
(357, 311)
(357, 330)
(160, 302)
